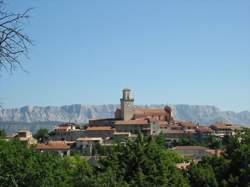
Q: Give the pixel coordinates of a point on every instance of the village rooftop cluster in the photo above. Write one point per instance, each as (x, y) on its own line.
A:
(128, 122)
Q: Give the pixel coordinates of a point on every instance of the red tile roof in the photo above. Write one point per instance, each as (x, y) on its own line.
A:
(222, 125)
(198, 148)
(53, 145)
(149, 111)
(100, 128)
(187, 124)
(203, 129)
(132, 122)
(162, 124)
(173, 131)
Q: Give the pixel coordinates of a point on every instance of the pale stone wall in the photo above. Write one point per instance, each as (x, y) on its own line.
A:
(127, 105)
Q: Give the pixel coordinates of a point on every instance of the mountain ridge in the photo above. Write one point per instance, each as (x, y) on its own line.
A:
(80, 113)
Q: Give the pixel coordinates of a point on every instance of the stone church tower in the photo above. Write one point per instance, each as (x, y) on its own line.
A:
(127, 105)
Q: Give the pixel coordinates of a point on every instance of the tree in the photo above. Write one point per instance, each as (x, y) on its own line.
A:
(42, 135)
(185, 141)
(79, 171)
(2, 133)
(233, 167)
(142, 162)
(214, 142)
(14, 42)
(161, 140)
(238, 152)
(20, 166)
(202, 175)
(220, 166)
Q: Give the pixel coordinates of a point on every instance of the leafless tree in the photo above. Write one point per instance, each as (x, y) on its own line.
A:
(14, 42)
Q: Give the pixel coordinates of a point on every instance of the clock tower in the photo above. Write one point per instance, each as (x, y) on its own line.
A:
(127, 105)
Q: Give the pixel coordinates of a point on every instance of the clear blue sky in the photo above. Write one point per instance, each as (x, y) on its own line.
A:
(166, 51)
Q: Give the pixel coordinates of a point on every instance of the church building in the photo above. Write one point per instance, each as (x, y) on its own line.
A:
(133, 119)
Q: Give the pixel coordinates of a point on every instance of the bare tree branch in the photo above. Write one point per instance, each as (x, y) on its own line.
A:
(14, 43)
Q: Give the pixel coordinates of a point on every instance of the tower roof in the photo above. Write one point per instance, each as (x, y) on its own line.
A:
(126, 89)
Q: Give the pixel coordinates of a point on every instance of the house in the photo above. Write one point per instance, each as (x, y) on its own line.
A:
(60, 147)
(187, 125)
(86, 144)
(99, 131)
(196, 152)
(65, 127)
(26, 137)
(204, 130)
(123, 136)
(222, 129)
(71, 135)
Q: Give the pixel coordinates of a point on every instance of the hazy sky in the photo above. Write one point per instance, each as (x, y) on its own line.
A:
(166, 51)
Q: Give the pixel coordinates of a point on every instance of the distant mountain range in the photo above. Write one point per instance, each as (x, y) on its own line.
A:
(35, 117)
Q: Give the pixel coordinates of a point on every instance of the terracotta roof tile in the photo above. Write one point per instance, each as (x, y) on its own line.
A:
(149, 111)
(100, 128)
(203, 129)
(188, 124)
(190, 148)
(172, 131)
(222, 125)
(53, 145)
(132, 122)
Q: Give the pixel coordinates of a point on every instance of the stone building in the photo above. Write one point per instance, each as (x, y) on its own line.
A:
(59, 147)
(133, 119)
(65, 127)
(127, 106)
(100, 131)
(129, 111)
(222, 129)
(26, 137)
(196, 152)
(86, 144)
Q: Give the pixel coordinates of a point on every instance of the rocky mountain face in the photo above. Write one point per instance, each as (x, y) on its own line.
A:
(69, 113)
(35, 117)
(210, 114)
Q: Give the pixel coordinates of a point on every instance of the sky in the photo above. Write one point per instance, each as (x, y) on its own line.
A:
(166, 51)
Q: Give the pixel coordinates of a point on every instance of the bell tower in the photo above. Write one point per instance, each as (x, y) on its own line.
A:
(127, 105)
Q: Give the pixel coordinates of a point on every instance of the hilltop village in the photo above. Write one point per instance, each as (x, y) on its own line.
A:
(129, 120)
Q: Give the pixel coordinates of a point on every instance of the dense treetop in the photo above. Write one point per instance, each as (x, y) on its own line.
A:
(143, 162)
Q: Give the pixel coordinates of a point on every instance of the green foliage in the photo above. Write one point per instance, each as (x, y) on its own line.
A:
(42, 135)
(188, 141)
(52, 133)
(220, 166)
(206, 141)
(79, 170)
(238, 152)
(161, 140)
(202, 175)
(102, 150)
(139, 163)
(214, 142)
(143, 163)
(20, 166)
(2, 133)
(233, 168)
(77, 126)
